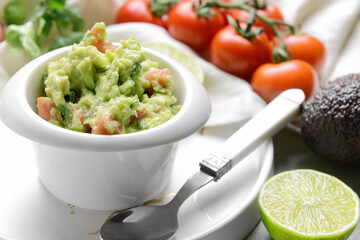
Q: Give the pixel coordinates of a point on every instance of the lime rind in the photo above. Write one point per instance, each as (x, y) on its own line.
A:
(278, 231)
(184, 58)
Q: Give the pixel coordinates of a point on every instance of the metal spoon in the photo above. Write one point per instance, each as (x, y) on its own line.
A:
(160, 222)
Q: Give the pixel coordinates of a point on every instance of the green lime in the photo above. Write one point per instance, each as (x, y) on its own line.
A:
(182, 57)
(307, 204)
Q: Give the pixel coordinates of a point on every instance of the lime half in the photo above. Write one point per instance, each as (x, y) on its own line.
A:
(307, 204)
(182, 57)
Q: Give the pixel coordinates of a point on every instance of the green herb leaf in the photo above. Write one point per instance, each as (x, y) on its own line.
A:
(39, 11)
(14, 13)
(30, 45)
(66, 40)
(102, 68)
(70, 97)
(67, 17)
(12, 36)
(65, 112)
(23, 37)
(46, 14)
(138, 125)
(45, 25)
(56, 4)
(62, 19)
(135, 69)
(78, 23)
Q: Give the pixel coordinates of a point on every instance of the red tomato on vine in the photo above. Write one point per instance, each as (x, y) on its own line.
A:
(307, 48)
(139, 11)
(270, 79)
(238, 55)
(186, 26)
(269, 11)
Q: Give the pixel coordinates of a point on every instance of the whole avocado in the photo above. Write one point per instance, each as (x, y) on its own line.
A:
(330, 123)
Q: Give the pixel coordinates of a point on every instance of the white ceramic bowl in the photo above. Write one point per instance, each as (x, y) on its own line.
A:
(95, 171)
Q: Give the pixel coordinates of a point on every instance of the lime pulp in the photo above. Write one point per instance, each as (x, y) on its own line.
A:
(307, 204)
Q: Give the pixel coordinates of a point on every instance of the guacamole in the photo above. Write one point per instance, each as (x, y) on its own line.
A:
(100, 88)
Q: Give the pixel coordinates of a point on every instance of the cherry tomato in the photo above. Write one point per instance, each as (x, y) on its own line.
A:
(269, 11)
(2, 32)
(270, 79)
(186, 26)
(307, 48)
(238, 55)
(139, 11)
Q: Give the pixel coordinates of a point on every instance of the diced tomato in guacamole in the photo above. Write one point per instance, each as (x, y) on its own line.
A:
(106, 125)
(98, 31)
(139, 114)
(157, 79)
(47, 110)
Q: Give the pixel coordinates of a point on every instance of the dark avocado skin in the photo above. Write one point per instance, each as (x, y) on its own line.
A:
(330, 123)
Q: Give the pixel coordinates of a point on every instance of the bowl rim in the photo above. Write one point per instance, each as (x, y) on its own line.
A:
(18, 115)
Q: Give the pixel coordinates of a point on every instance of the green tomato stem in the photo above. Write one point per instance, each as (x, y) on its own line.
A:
(289, 26)
(259, 5)
(247, 33)
(251, 20)
(161, 7)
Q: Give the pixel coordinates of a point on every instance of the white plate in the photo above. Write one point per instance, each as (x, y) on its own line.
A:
(223, 210)
(226, 209)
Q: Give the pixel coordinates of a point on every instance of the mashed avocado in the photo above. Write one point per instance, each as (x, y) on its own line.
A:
(103, 89)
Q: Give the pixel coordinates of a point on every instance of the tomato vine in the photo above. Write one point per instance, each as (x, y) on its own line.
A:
(280, 53)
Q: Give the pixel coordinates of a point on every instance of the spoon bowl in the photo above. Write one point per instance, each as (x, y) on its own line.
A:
(144, 222)
(152, 222)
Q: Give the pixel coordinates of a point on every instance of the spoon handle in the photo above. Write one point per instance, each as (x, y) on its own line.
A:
(261, 127)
